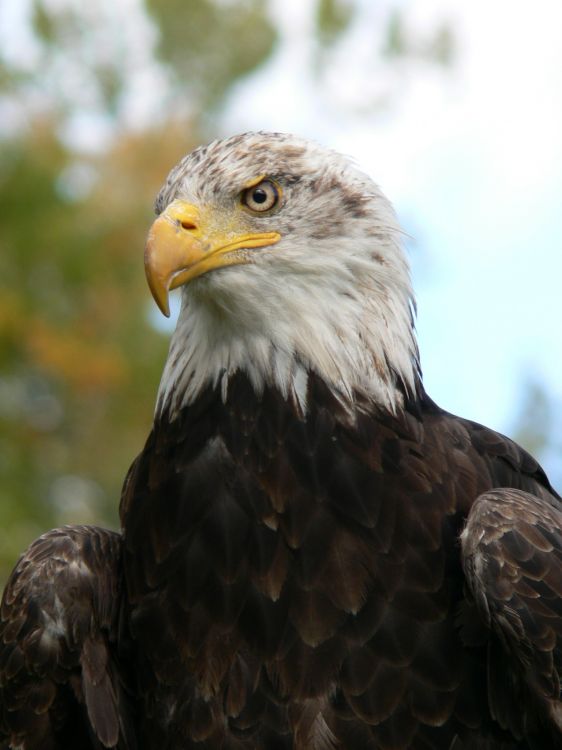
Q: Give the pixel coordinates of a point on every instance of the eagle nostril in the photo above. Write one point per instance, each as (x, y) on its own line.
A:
(187, 224)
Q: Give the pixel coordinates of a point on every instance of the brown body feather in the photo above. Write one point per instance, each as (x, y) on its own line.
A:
(297, 583)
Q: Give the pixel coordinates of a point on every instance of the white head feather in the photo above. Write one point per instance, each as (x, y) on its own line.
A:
(333, 296)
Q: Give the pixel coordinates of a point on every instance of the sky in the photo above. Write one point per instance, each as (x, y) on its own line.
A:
(471, 157)
(470, 154)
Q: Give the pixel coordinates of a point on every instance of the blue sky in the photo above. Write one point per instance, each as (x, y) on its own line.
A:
(471, 157)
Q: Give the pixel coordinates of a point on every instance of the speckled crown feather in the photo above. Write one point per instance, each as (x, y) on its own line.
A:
(332, 296)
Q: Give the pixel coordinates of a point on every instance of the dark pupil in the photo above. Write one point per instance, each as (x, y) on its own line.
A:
(259, 195)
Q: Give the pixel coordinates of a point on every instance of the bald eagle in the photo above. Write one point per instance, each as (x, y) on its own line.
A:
(313, 554)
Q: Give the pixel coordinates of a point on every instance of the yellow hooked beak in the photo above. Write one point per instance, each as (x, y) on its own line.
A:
(181, 246)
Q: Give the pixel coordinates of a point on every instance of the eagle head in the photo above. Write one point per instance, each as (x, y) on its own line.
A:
(289, 260)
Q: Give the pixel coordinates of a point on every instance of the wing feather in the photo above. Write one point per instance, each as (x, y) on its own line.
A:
(512, 558)
(62, 683)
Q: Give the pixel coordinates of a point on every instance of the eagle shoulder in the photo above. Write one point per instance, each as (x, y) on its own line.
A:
(61, 682)
(512, 559)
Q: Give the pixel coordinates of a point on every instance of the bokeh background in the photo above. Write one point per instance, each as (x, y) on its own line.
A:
(454, 108)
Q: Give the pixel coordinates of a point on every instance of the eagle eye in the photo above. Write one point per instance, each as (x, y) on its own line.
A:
(261, 197)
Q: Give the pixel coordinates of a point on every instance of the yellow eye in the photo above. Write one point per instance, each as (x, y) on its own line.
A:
(261, 197)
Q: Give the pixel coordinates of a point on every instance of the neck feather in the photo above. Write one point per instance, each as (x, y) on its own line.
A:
(362, 346)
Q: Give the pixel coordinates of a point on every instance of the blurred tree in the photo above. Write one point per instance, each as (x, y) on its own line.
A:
(332, 19)
(535, 427)
(80, 361)
(209, 45)
(97, 101)
(79, 357)
(402, 42)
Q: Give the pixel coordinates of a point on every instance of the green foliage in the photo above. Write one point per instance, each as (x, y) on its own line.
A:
(44, 23)
(437, 47)
(80, 360)
(396, 43)
(209, 44)
(332, 18)
(68, 39)
(441, 47)
(535, 427)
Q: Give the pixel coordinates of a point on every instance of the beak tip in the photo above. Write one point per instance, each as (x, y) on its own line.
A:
(162, 303)
(160, 296)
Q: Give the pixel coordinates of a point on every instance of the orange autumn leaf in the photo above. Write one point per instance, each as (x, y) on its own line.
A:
(84, 364)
